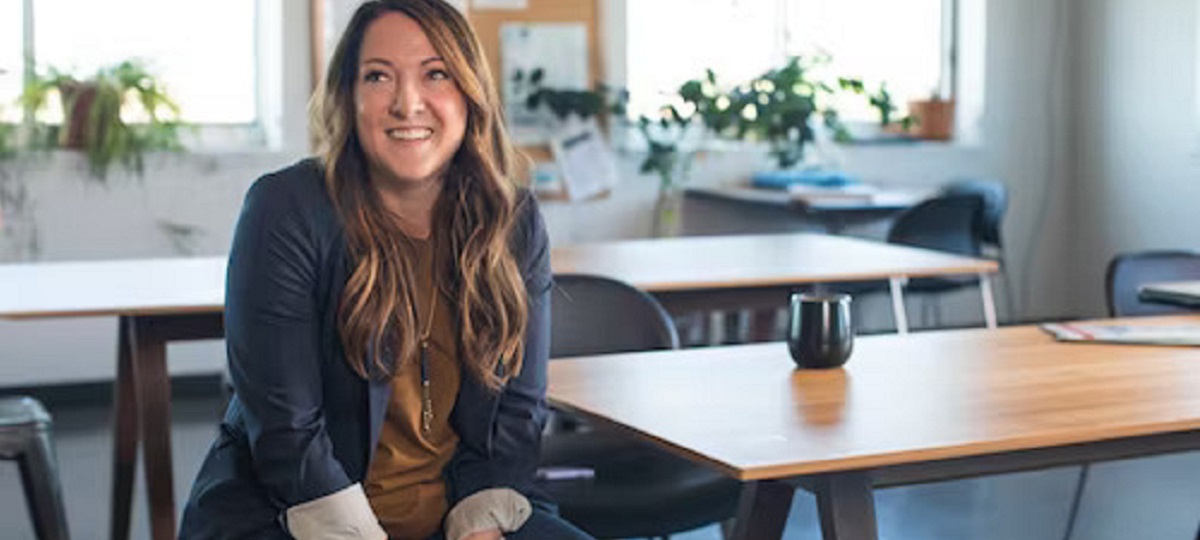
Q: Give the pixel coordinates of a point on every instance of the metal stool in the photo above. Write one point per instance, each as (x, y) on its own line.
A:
(25, 437)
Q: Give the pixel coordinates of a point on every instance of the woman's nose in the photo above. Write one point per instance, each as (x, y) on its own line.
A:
(409, 100)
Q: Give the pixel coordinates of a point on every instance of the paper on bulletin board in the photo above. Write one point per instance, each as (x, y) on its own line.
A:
(560, 50)
(499, 4)
(587, 163)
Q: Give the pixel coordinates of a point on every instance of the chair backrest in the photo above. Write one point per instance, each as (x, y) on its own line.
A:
(599, 315)
(1129, 271)
(995, 203)
(943, 223)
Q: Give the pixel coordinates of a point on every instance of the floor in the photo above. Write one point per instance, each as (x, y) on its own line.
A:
(1153, 498)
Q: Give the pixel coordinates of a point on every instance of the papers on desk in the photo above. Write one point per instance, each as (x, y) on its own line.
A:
(1179, 335)
(851, 194)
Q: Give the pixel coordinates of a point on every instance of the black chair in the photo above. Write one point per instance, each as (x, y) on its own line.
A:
(995, 204)
(950, 223)
(637, 489)
(25, 437)
(1127, 272)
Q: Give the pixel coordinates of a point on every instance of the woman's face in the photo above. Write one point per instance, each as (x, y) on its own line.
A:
(410, 115)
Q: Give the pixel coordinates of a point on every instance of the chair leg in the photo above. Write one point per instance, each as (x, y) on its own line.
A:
(1077, 500)
(43, 492)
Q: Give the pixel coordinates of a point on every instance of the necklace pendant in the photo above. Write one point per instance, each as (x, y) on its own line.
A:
(426, 399)
(426, 408)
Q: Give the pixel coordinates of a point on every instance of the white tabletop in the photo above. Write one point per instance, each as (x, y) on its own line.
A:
(124, 287)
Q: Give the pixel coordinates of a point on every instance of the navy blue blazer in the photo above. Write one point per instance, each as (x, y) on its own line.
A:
(302, 424)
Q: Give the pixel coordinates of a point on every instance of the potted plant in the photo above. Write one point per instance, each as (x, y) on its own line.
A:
(777, 108)
(99, 116)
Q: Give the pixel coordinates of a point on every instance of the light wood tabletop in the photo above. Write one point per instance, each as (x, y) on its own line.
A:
(706, 262)
(900, 400)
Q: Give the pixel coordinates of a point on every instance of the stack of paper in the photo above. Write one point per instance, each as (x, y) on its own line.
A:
(818, 196)
(1186, 334)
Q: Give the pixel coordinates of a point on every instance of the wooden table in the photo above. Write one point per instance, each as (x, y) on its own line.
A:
(1178, 293)
(164, 300)
(905, 409)
(721, 272)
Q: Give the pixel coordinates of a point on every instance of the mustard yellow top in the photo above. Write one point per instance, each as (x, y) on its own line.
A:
(404, 482)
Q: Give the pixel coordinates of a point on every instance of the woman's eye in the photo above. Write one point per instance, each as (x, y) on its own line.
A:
(374, 76)
(439, 74)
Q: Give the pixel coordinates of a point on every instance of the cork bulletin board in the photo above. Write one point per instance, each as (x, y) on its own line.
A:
(487, 23)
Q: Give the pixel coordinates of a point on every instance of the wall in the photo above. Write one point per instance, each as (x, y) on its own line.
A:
(1138, 135)
(1022, 140)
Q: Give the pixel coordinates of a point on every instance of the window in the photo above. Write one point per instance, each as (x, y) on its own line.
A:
(905, 44)
(11, 67)
(205, 52)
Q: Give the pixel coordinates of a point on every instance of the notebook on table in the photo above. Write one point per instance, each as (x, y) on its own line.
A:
(1186, 335)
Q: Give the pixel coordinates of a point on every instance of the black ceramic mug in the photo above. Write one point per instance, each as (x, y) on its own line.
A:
(819, 331)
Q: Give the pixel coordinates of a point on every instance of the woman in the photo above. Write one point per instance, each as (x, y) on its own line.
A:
(387, 311)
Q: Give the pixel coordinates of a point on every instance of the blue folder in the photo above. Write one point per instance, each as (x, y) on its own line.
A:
(784, 179)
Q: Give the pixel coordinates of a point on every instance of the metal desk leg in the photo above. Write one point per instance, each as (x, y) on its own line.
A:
(762, 510)
(125, 436)
(989, 304)
(897, 286)
(847, 507)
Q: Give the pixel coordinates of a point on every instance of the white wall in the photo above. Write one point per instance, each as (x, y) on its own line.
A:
(1138, 135)
(1022, 141)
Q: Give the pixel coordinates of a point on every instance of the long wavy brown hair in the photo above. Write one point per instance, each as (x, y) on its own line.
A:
(377, 316)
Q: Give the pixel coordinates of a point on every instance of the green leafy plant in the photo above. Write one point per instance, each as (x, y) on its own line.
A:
(778, 107)
(564, 102)
(95, 112)
(881, 100)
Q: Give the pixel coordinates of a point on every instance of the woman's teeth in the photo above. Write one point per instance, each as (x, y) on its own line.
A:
(411, 134)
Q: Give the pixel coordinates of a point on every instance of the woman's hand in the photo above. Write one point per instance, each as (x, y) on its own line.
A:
(491, 534)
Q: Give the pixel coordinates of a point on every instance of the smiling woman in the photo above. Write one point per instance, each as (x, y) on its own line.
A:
(387, 310)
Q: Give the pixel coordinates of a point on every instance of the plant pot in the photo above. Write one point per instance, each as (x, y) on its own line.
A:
(77, 100)
(934, 119)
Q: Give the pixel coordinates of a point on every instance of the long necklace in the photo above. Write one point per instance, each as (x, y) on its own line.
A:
(426, 398)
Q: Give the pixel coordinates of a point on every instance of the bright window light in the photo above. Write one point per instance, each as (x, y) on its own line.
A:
(10, 60)
(876, 41)
(203, 51)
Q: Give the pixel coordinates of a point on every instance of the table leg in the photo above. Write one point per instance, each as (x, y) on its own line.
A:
(898, 311)
(989, 303)
(846, 507)
(125, 430)
(154, 400)
(762, 510)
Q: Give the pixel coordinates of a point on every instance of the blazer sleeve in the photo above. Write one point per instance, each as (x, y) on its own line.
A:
(271, 330)
(521, 409)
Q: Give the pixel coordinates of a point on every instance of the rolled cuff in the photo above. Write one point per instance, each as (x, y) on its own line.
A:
(342, 515)
(495, 508)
